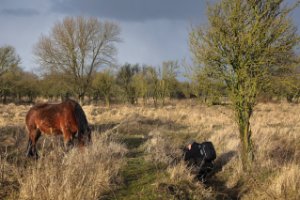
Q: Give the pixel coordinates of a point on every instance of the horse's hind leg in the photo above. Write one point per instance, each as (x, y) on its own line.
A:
(31, 147)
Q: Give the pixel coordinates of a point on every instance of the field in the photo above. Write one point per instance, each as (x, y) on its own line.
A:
(136, 154)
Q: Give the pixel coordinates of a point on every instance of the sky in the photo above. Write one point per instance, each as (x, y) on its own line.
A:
(152, 31)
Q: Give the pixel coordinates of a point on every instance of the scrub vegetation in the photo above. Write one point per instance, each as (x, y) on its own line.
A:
(136, 154)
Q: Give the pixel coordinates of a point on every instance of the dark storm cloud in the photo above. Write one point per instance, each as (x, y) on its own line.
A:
(133, 10)
(19, 12)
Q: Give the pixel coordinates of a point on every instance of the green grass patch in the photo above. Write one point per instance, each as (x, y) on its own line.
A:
(139, 175)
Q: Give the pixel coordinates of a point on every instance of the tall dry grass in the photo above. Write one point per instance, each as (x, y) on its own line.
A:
(276, 137)
(180, 183)
(78, 174)
(275, 133)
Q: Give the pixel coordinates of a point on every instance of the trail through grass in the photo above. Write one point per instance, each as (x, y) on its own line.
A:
(139, 175)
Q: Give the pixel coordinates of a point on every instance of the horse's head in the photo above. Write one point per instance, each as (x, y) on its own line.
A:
(85, 136)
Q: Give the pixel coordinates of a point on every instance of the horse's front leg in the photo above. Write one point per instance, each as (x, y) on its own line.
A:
(29, 152)
(68, 139)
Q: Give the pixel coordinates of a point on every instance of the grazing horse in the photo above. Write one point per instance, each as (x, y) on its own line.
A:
(66, 118)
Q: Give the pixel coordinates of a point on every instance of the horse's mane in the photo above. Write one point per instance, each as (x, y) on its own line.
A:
(82, 122)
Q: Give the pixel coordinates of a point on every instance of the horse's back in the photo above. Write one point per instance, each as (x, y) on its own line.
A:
(52, 117)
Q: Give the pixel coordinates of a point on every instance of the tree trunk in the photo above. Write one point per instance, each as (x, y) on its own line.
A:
(107, 101)
(289, 98)
(4, 98)
(155, 101)
(144, 101)
(81, 98)
(18, 99)
(247, 154)
(163, 101)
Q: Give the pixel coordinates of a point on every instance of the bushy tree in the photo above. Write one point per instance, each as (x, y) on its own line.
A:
(9, 61)
(8, 58)
(210, 89)
(154, 85)
(103, 85)
(125, 81)
(168, 82)
(55, 85)
(243, 42)
(16, 84)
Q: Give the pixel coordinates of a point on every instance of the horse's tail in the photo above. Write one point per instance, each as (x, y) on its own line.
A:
(82, 122)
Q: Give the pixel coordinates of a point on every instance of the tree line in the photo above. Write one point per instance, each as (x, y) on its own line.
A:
(131, 83)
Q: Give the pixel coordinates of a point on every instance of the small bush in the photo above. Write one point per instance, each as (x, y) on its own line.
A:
(181, 184)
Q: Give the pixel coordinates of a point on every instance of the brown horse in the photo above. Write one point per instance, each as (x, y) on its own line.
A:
(66, 118)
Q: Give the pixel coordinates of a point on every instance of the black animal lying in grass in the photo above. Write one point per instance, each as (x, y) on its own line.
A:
(201, 156)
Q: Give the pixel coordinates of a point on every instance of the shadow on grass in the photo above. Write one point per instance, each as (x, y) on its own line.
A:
(222, 160)
(169, 124)
(223, 192)
(103, 127)
(133, 142)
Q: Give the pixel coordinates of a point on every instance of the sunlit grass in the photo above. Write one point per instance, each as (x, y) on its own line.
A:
(154, 138)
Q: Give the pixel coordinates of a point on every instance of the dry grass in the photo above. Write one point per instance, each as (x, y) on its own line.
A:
(76, 174)
(276, 136)
(160, 151)
(84, 173)
(180, 183)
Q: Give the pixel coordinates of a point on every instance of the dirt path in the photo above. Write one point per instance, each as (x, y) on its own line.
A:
(139, 175)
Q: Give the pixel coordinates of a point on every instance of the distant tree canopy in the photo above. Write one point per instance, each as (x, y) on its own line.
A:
(8, 59)
(137, 81)
(103, 85)
(245, 44)
(54, 85)
(125, 80)
(76, 48)
(14, 82)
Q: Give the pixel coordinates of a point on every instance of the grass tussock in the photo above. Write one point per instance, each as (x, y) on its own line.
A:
(286, 185)
(180, 183)
(161, 149)
(77, 174)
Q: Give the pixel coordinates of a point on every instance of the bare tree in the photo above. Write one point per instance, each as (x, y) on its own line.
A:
(77, 47)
